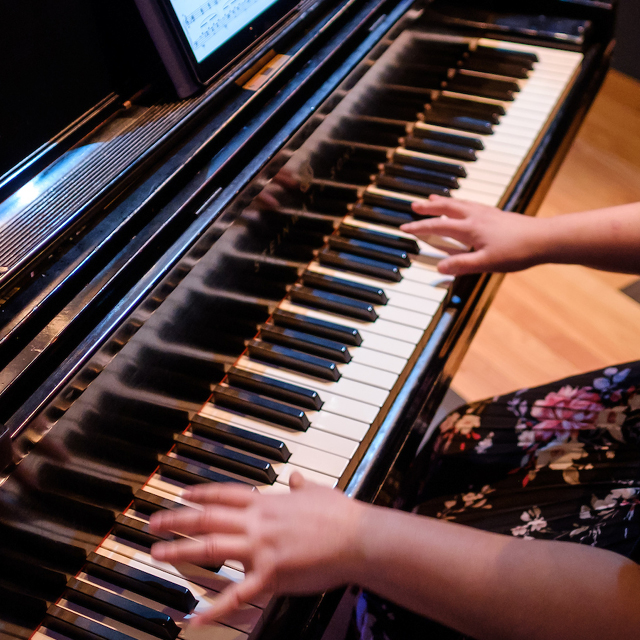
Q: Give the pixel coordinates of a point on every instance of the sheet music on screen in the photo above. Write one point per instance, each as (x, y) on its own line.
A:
(210, 23)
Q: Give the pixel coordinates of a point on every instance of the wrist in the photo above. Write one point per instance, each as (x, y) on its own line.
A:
(544, 245)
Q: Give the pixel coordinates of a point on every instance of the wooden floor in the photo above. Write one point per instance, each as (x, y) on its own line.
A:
(556, 320)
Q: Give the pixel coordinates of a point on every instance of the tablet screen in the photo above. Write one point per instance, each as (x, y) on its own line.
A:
(208, 25)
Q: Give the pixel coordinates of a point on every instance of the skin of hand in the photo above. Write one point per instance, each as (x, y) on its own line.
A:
(606, 239)
(296, 543)
(501, 241)
(483, 584)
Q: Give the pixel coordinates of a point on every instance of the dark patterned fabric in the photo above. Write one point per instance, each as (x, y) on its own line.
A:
(558, 462)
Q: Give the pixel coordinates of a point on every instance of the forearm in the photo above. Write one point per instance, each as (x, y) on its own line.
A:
(607, 239)
(492, 586)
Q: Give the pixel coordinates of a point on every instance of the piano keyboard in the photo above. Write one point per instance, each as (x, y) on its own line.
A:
(313, 383)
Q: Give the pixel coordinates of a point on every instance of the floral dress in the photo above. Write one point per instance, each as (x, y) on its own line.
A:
(558, 462)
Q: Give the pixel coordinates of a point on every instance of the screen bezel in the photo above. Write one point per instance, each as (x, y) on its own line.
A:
(216, 61)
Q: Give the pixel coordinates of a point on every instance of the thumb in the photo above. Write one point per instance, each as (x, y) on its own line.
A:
(463, 263)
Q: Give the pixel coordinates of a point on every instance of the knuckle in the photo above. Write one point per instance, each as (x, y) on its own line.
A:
(211, 547)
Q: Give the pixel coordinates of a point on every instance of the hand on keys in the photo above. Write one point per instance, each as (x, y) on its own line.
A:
(298, 543)
(500, 241)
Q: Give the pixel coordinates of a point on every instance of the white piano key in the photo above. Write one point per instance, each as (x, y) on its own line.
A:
(398, 293)
(379, 360)
(245, 619)
(404, 316)
(423, 306)
(375, 378)
(387, 362)
(366, 396)
(389, 346)
(431, 281)
(190, 572)
(312, 476)
(311, 438)
(382, 327)
(302, 454)
(475, 196)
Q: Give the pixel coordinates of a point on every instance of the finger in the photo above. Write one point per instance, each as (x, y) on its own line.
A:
(445, 226)
(213, 548)
(441, 206)
(297, 481)
(473, 262)
(230, 494)
(195, 521)
(231, 599)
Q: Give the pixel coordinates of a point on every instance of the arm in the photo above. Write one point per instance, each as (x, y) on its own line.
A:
(487, 585)
(605, 239)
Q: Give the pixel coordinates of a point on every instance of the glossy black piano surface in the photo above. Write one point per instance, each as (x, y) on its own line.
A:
(234, 300)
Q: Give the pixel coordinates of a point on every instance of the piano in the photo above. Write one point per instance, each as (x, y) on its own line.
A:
(216, 288)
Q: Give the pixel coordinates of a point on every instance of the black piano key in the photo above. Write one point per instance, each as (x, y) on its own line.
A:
(260, 407)
(148, 585)
(357, 290)
(522, 57)
(506, 68)
(190, 473)
(360, 264)
(149, 503)
(381, 215)
(451, 168)
(416, 173)
(447, 118)
(306, 342)
(278, 389)
(443, 136)
(77, 627)
(409, 185)
(204, 450)
(26, 575)
(57, 554)
(317, 327)
(20, 608)
(136, 531)
(482, 110)
(371, 250)
(240, 438)
(439, 148)
(379, 237)
(122, 609)
(387, 201)
(295, 360)
(327, 301)
(486, 88)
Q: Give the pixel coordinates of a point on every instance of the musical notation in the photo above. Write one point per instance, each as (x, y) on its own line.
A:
(209, 24)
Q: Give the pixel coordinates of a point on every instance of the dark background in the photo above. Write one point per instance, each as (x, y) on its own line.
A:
(627, 53)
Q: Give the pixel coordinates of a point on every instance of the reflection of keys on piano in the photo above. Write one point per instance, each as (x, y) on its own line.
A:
(318, 376)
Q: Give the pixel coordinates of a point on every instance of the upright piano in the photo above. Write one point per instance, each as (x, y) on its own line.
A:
(216, 288)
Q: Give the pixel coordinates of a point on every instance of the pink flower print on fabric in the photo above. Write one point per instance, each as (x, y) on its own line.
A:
(568, 409)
